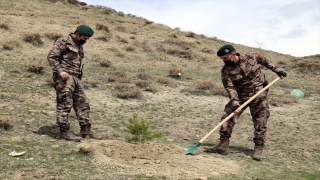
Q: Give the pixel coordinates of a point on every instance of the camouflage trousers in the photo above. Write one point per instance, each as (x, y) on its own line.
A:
(259, 109)
(70, 94)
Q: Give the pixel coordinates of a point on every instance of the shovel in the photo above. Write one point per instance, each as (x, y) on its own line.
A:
(191, 148)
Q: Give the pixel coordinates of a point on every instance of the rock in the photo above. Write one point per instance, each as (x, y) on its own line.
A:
(306, 154)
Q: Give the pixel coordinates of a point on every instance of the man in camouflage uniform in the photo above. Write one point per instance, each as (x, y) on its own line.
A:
(242, 78)
(65, 59)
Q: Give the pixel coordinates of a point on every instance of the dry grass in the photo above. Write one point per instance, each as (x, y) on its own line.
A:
(4, 26)
(105, 37)
(176, 73)
(5, 122)
(108, 11)
(128, 91)
(191, 34)
(106, 63)
(87, 83)
(53, 36)
(33, 38)
(208, 87)
(102, 27)
(10, 45)
(37, 69)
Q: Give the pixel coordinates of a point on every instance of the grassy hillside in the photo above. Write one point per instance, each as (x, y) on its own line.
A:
(132, 65)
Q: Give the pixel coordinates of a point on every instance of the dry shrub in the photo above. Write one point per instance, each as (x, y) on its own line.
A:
(176, 73)
(173, 35)
(117, 77)
(102, 27)
(33, 38)
(185, 45)
(148, 22)
(82, 3)
(191, 34)
(142, 83)
(116, 52)
(208, 51)
(121, 28)
(87, 84)
(37, 69)
(132, 37)
(107, 10)
(208, 88)
(106, 63)
(306, 65)
(85, 8)
(144, 76)
(15, 71)
(105, 37)
(151, 88)
(164, 80)
(120, 13)
(121, 39)
(144, 45)
(4, 26)
(10, 45)
(128, 91)
(205, 85)
(53, 36)
(130, 48)
(5, 122)
(73, 1)
(187, 54)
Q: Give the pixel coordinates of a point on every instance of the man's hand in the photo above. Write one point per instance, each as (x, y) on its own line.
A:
(282, 74)
(64, 75)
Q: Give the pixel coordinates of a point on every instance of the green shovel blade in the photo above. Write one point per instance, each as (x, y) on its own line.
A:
(191, 148)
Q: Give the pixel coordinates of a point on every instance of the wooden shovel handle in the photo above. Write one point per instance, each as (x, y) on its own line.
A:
(241, 107)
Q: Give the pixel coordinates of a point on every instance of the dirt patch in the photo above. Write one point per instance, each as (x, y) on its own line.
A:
(152, 159)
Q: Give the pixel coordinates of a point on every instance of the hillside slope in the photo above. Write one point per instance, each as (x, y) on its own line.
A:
(131, 66)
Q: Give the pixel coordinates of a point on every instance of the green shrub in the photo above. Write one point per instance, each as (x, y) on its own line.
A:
(139, 130)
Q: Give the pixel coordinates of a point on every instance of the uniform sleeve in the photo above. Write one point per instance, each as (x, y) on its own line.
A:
(267, 63)
(55, 54)
(228, 85)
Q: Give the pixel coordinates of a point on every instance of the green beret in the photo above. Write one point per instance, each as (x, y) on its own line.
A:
(85, 30)
(226, 49)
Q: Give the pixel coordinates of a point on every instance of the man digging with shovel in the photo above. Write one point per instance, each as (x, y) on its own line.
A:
(242, 78)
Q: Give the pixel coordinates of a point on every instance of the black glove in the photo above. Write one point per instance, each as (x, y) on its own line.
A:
(282, 73)
(235, 108)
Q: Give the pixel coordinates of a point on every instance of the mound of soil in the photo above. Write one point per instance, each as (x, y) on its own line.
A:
(152, 159)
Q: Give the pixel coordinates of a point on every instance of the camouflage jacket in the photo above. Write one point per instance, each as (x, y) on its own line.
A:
(246, 74)
(66, 55)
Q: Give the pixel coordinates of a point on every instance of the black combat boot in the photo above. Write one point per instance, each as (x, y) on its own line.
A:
(221, 148)
(86, 132)
(67, 134)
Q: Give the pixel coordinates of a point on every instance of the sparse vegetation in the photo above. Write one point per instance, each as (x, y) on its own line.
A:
(10, 45)
(176, 73)
(53, 36)
(33, 38)
(4, 26)
(184, 107)
(35, 69)
(5, 122)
